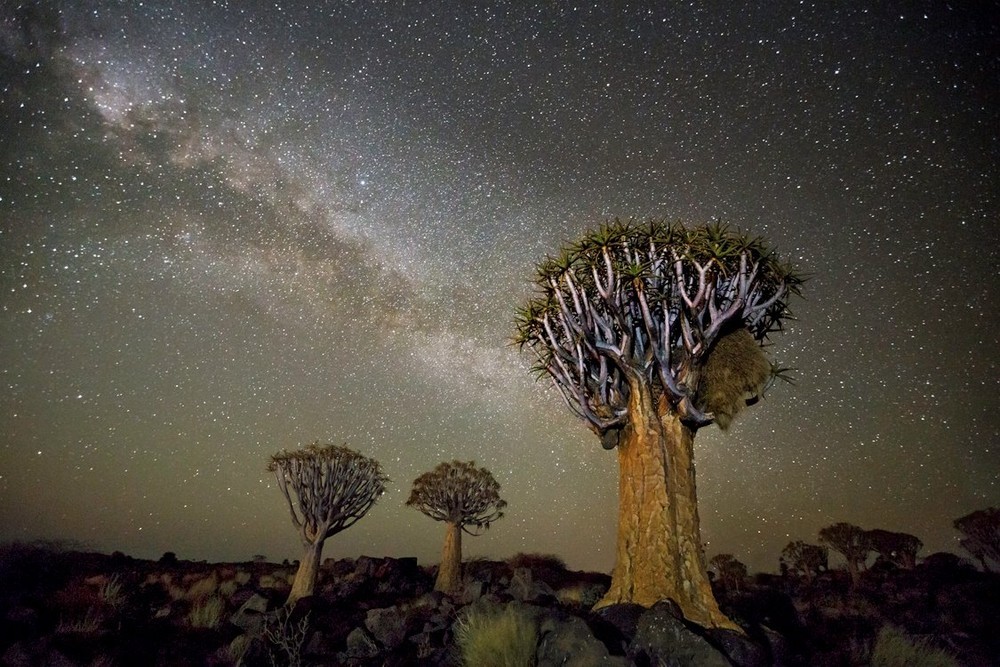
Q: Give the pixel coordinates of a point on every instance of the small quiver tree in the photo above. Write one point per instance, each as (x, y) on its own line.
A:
(333, 487)
(849, 541)
(981, 535)
(650, 332)
(900, 549)
(467, 499)
(731, 572)
(804, 560)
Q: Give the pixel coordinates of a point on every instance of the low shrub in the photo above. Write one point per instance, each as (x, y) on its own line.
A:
(544, 567)
(489, 636)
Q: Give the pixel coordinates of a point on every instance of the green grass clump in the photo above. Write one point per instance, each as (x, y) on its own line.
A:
(893, 648)
(497, 637)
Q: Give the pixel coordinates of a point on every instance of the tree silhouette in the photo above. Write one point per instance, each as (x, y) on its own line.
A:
(982, 535)
(626, 323)
(804, 560)
(849, 541)
(467, 499)
(731, 572)
(333, 488)
(898, 548)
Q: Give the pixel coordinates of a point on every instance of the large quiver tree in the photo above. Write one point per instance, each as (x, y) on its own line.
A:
(467, 499)
(333, 487)
(626, 323)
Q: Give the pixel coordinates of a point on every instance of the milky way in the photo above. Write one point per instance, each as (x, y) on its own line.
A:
(232, 228)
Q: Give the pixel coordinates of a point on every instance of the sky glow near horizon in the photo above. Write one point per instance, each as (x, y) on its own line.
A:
(232, 228)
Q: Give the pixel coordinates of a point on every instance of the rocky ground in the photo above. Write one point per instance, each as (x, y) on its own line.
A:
(66, 608)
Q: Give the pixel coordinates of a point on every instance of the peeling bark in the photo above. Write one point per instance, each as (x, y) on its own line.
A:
(659, 553)
(449, 577)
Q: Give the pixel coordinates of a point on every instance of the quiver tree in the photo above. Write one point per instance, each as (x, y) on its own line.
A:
(333, 487)
(730, 571)
(981, 535)
(467, 499)
(650, 332)
(849, 541)
(804, 560)
(897, 548)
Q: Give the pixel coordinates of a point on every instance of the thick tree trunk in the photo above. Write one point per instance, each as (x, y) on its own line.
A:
(659, 553)
(854, 571)
(307, 574)
(449, 577)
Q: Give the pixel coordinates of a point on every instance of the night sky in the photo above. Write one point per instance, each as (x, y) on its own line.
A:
(232, 228)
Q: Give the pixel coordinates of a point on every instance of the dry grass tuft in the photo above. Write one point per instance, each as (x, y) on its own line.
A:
(207, 612)
(496, 636)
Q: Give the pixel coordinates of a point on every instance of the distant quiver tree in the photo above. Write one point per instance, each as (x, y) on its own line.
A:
(850, 542)
(650, 332)
(981, 535)
(333, 487)
(730, 571)
(467, 499)
(897, 548)
(804, 560)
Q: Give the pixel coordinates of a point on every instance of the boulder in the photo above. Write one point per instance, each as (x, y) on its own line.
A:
(250, 616)
(360, 644)
(388, 626)
(365, 566)
(741, 650)
(566, 640)
(662, 638)
(472, 590)
(616, 624)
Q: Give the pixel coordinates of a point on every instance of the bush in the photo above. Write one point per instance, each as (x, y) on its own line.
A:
(537, 562)
(545, 567)
(496, 636)
(893, 648)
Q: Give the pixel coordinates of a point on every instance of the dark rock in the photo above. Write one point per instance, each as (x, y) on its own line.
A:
(741, 650)
(663, 639)
(344, 587)
(782, 654)
(616, 624)
(566, 640)
(365, 566)
(387, 626)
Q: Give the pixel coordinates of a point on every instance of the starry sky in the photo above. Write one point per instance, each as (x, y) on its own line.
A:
(229, 228)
